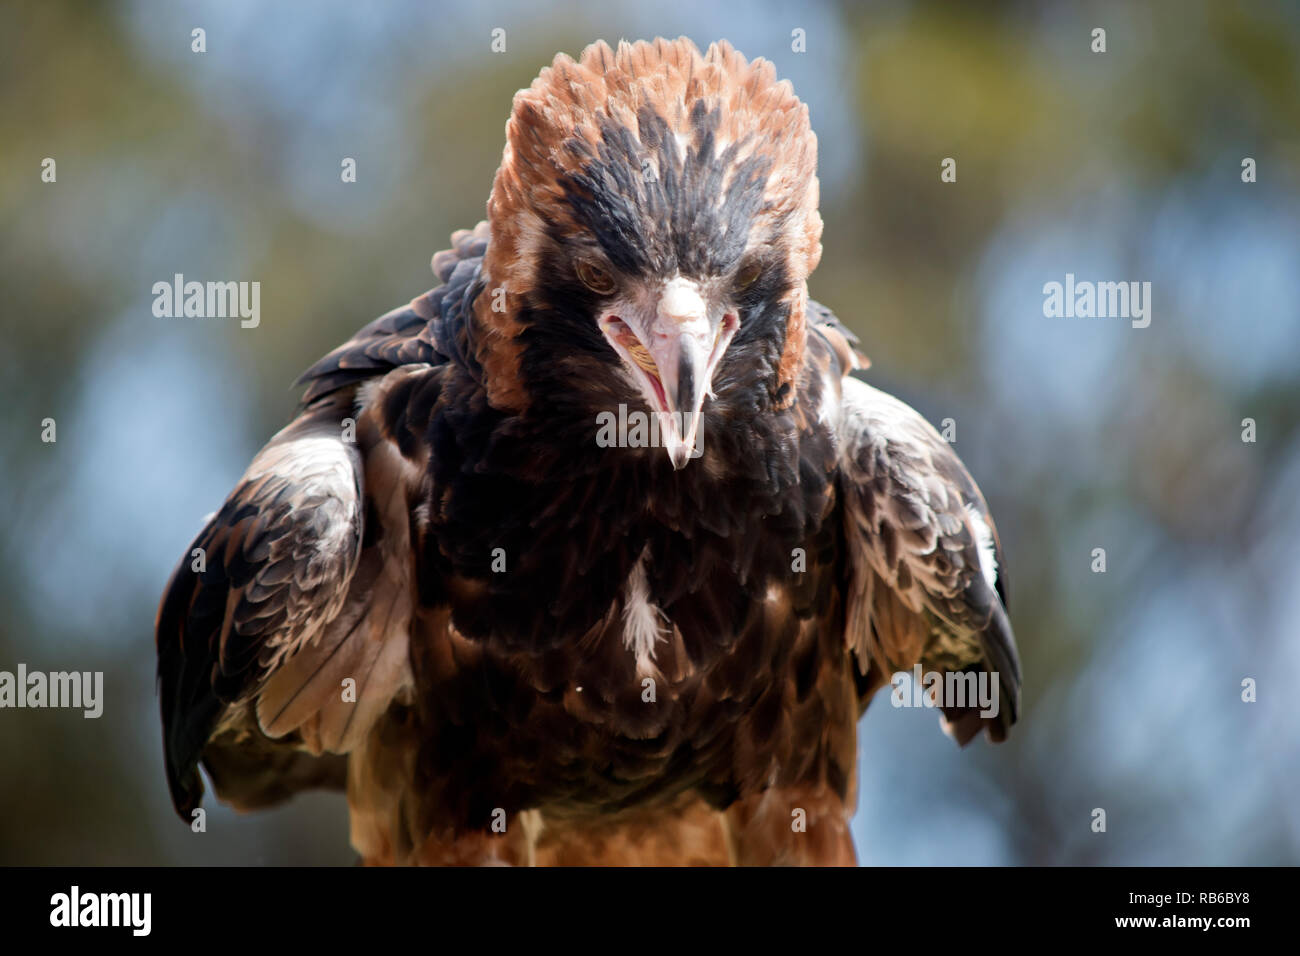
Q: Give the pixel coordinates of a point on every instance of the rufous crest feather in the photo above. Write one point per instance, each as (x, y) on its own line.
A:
(558, 125)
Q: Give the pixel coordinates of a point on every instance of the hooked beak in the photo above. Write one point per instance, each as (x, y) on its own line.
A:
(672, 353)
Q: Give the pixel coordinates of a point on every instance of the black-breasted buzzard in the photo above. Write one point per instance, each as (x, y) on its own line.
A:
(511, 640)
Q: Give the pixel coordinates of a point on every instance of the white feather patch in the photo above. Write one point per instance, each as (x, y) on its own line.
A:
(828, 413)
(642, 627)
(984, 542)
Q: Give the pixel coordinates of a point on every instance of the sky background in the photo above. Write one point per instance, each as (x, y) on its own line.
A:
(1083, 433)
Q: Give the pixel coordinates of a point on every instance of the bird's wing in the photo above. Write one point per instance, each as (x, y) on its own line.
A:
(261, 581)
(290, 639)
(305, 577)
(926, 581)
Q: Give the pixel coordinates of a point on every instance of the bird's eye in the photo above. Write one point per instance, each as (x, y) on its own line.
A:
(748, 275)
(595, 278)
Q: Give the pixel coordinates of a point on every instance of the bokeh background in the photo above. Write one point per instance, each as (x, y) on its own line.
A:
(1085, 433)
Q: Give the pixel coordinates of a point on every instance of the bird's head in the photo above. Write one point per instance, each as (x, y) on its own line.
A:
(656, 213)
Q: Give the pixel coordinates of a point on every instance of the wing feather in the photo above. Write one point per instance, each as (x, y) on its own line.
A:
(309, 565)
(308, 584)
(926, 578)
(262, 578)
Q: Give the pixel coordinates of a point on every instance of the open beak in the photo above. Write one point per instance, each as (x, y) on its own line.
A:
(672, 353)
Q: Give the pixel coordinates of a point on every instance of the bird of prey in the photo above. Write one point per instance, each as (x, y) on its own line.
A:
(515, 633)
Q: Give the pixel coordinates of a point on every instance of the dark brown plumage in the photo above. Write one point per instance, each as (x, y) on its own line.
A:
(441, 585)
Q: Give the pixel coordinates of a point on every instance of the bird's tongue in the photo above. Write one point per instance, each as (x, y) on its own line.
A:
(641, 355)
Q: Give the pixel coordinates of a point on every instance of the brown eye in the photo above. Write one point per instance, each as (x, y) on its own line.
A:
(748, 275)
(594, 277)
